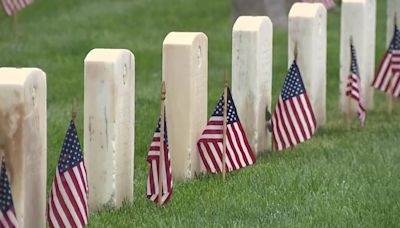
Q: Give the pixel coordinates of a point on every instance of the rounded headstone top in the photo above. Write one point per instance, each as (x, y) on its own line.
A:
(251, 23)
(106, 55)
(182, 38)
(306, 9)
(19, 76)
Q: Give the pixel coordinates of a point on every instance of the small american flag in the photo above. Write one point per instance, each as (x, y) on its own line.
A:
(327, 3)
(7, 210)
(293, 121)
(388, 74)
(153, 157)
(11, 7)
(210, 144)
(67, 206)
(354, 85)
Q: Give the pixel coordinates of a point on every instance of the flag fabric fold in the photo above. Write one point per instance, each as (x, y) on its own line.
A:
(293, 120)
(210, 144)
(8, 216)
(354, 86)
(68, 201)
(387, 77)
(11, 7)
(153, 157)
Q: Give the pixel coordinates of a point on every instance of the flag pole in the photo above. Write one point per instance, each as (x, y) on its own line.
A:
(73, 110)
(224, 130)
(295, 54)
(161, 158)
(349, 119)
(390, 93)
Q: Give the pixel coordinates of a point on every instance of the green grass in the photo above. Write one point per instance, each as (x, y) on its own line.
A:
(339, 178)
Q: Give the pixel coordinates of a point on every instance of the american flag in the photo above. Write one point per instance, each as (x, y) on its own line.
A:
(153, 157)
(327, 3)
(67, 206)
(210, 144)
(388, 74)
(11, 7)
(354, 85)
(293, 121)
(7, 211)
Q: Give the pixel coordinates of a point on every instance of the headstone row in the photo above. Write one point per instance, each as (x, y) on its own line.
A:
(109, 100)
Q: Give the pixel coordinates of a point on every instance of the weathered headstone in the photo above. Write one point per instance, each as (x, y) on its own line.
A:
(23, 132)
(307, 33)
(358, 21)
(252, 77)
(185, 66)
(276, 10)
(393, 8)
(109, 126)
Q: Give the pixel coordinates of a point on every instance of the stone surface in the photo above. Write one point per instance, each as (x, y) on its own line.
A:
(109, 126)
(185, 71)
(252, 77)
(307, 30)
(276, 10)
(358, 21)
(393, 7)
(23, 131)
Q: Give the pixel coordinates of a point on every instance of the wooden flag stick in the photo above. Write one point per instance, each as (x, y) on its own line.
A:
(73, 110)
(295, 51)
(161, 158)
(390, 93)
(224, 132)
(349, 117)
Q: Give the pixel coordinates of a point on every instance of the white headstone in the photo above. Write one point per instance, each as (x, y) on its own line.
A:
(393, 7)
(185, 73)
(23, 131)
(358, 21)
(252, 77)
(109, 126)
(307, 30)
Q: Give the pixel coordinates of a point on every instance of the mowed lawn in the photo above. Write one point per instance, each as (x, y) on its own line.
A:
(339, 178)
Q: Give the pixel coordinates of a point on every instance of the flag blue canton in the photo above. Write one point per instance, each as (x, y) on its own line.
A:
(71, 153)
(6, 202)
(231, 115)
(293, 85)
(395, 43)
(165, 129)
(354, 65)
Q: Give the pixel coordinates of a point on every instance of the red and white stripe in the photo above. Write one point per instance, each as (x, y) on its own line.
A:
(396, 84)
(13, 6)
(353, 91)
(68, 205)
(153, 178)
(210, 146)
(293, 122)
(387, 79)
(8, 220)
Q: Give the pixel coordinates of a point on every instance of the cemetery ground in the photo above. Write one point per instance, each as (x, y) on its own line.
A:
(339, 178)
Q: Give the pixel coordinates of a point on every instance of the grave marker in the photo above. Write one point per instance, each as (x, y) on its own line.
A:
(358, 21)
(307, 31)
(23, 132)
(109, 120)
(252, 77)
(185, 65)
